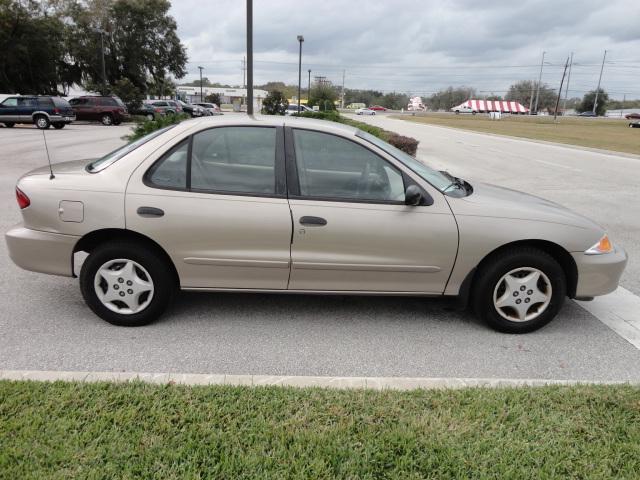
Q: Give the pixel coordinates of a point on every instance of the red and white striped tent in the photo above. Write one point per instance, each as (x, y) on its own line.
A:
(494, 106)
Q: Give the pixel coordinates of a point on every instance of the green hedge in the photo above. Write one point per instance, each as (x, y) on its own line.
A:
(145, 127)
(406, 144)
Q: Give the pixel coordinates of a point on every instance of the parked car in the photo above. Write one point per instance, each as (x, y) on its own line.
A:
(212, 108)
(166, 107)
(192, 110)
(377, 108)
(293, 108)
(38, 110)
(147, 111)
(365, 111)
(220, 204)
(463, 109)
(108, 110)
(632, 116)
(587, 114)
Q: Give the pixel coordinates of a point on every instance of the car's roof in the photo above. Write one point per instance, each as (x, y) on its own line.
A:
(274, 120)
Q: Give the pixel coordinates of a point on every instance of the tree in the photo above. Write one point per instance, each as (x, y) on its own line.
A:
(523, 90)
(32, 54)
(213, 98)
(275, 103)
(128, 93)
(324, 96)
(588, 100)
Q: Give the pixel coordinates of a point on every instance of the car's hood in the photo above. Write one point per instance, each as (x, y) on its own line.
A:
(72, 167)
(494, 201)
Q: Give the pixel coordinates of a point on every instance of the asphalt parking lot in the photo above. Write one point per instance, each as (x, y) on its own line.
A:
(45, 325)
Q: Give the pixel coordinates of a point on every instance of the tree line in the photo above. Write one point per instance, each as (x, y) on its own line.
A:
(46, 46)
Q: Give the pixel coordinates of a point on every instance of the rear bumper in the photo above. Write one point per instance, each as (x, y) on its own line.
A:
(42, 252)
(62, 118)
(599, 274)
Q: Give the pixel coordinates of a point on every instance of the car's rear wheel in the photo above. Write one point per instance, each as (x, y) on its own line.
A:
(42, 122)
(126, 284)
(519, 290)
(106, 119)
(58, 126)
(11, 124)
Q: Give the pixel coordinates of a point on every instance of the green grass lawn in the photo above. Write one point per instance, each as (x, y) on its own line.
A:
(80, 430)
(605, 133)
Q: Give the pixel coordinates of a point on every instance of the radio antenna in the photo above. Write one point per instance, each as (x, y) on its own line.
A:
(52, 176)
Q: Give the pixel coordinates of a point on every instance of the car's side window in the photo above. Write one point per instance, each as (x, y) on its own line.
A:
(171, 170)
(234, 159)
(10, 102)
(335, 168)
(27, 102)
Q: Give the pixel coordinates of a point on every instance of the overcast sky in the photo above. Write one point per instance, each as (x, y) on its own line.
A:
(418, 46)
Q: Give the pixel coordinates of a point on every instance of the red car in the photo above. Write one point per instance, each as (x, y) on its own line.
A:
(108, 110)
(377, 108)
(632, 116)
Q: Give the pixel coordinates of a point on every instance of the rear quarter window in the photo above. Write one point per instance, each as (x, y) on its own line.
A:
(45, 102)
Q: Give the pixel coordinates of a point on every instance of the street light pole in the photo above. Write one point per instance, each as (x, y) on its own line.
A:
(539, 80)
(201, 98)
(309, 88)
(249, 57)
(104, 70)
(300, 40)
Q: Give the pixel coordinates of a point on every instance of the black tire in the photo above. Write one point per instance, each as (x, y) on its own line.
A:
(106, 119)
(162, 277)
(117, 122)
(58, 126)
(41, 122)
(150, 117)
(457, 112)
(11, 124)
(489, 276)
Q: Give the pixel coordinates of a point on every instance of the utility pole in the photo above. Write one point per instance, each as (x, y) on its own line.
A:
(244, 72)
(300, 40)
(249, 57)
(201, 97)
(595, 102)
(533, 86)
(309, 88)
(566, 91)
(539, 80)
(342, 96)
(624, 99)
(555, 112)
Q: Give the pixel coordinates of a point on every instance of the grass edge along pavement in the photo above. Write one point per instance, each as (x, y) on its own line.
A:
(612, 134)
(132, 430)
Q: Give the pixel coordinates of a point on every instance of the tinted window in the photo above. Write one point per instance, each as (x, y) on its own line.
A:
(45, 102)
(28, 102)
(60, 102)
(171, 170)
(234, 159)
(108, 101)
(10, 102)
(333, 167)
(78, 101)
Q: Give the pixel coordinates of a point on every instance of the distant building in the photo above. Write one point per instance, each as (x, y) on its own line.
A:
(229, 96)
(482, 106)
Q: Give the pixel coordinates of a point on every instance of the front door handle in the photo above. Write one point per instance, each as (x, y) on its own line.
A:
(313, 221)
(150, 212)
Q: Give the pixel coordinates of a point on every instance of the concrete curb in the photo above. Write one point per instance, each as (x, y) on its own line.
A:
(374, 383)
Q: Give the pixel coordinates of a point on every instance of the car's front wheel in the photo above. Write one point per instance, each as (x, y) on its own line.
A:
(127, 284)
(11, 124)
(58, 126)
(106, 119)
(519, 290)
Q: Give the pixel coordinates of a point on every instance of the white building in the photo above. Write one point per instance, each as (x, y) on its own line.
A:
(229, 96)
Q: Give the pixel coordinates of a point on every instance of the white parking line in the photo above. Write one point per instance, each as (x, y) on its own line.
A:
(374, 383)
(620, 311)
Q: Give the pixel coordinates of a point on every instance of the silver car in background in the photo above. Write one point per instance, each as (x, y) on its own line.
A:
(294, 205)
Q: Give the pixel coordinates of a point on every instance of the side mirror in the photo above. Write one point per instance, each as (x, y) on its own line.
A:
(413, 195)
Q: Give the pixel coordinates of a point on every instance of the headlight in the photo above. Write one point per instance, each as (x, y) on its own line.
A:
(603, 246)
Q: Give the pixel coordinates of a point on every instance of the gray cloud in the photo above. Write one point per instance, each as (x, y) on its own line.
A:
(418, 46)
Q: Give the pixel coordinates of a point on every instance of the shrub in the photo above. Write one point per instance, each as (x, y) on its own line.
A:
(275, 103)
(406, 144)
(147, 126)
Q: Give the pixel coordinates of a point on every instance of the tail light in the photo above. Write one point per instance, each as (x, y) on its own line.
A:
(56, 111)
(23, 200)
(158, 110)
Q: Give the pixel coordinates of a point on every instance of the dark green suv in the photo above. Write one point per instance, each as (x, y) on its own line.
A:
(41, 111)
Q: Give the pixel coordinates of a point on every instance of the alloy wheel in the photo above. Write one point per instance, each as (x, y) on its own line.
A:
(123, 286)
(522, 294)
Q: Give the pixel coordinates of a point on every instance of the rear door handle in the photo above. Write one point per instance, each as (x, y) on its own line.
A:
(313, 221)
(150, 212)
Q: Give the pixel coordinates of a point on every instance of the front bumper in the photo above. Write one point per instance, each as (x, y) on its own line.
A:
(43, 252)
(599, 274)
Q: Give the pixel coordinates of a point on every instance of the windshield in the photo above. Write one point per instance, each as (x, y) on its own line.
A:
(434, 177)
(116, 155)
